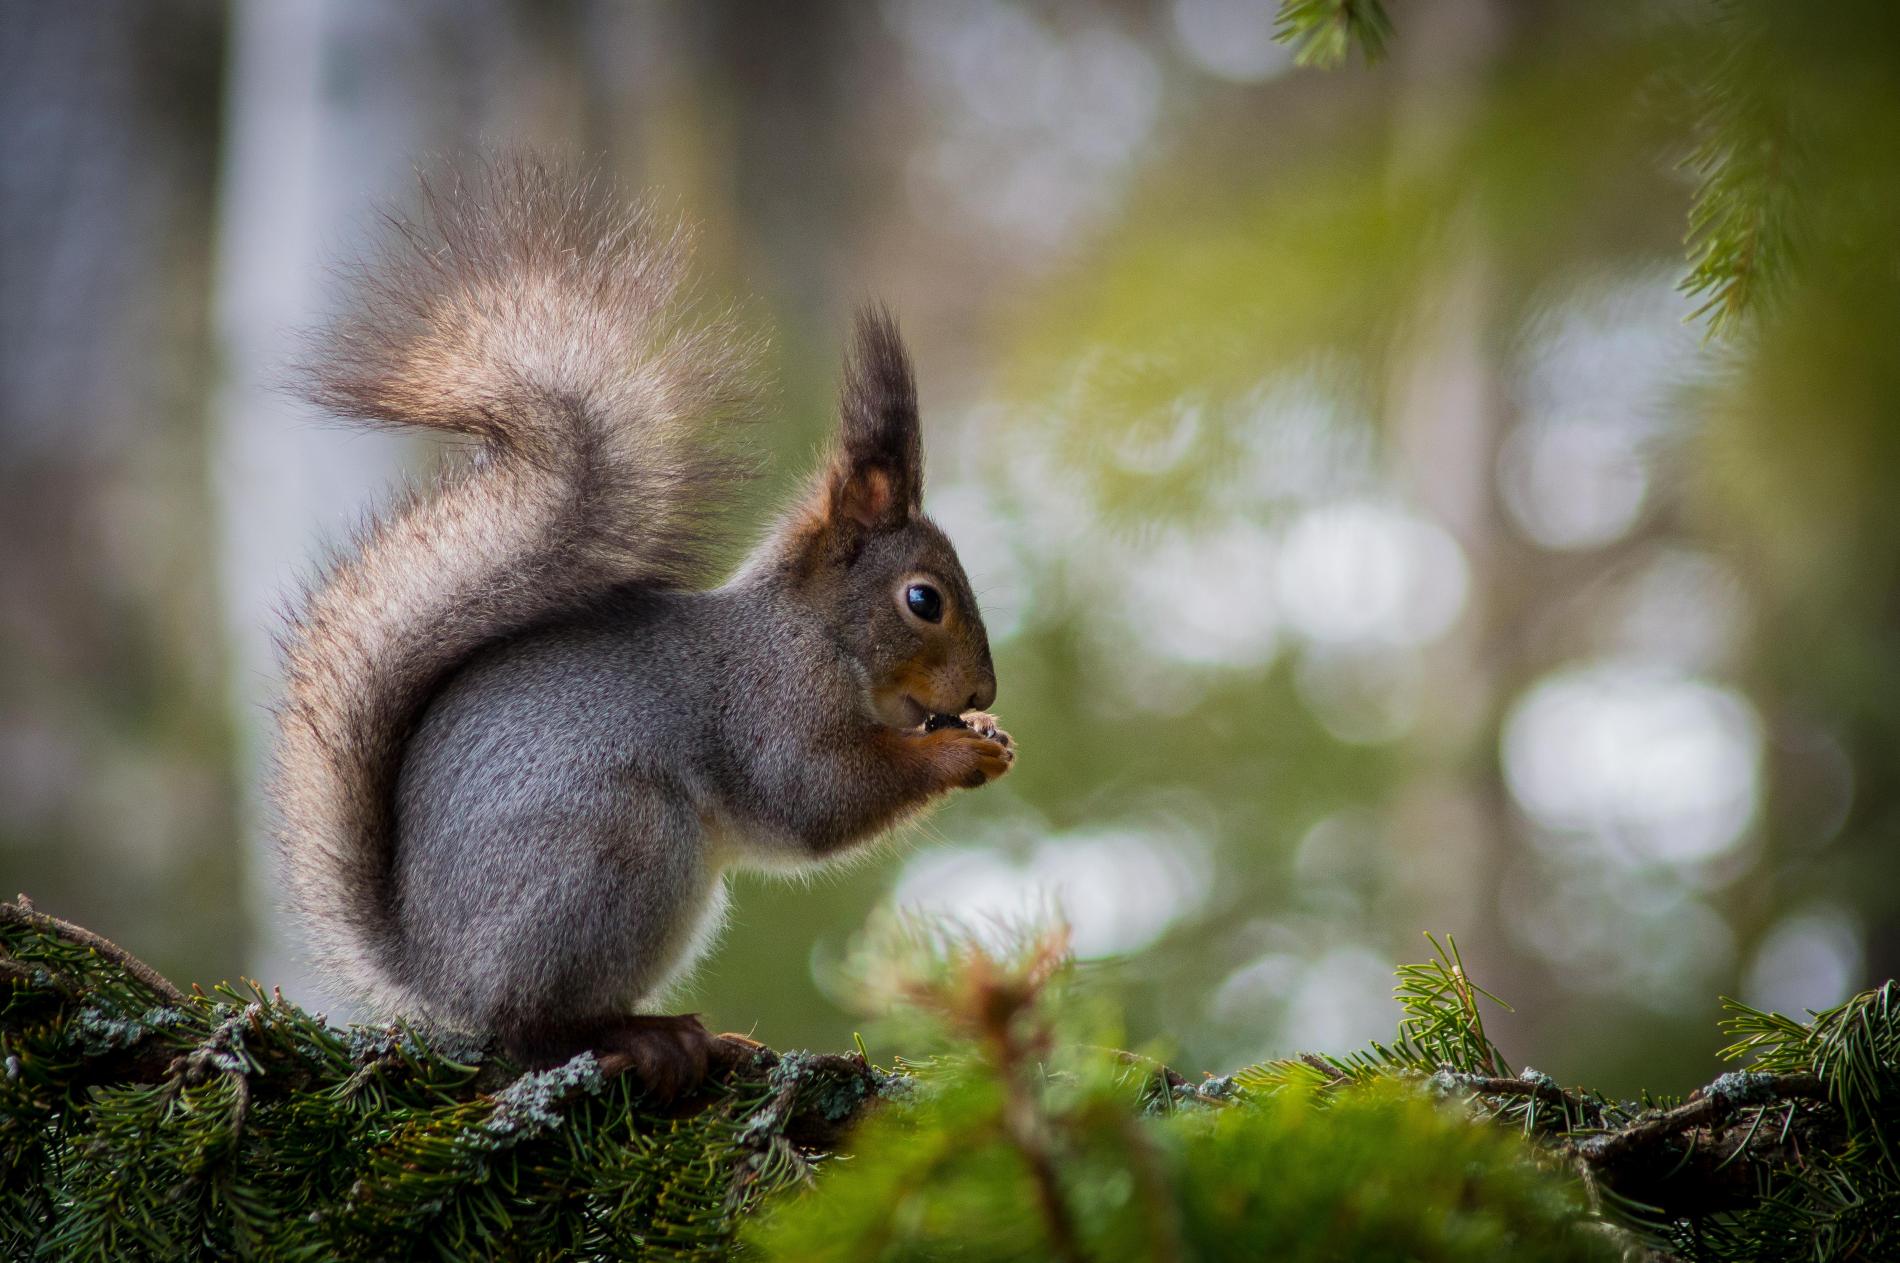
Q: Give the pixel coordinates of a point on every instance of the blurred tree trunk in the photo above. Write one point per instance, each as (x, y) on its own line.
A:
(1453, 828)
(114, 741)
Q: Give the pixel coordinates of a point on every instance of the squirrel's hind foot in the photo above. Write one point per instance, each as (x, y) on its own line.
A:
(667, 1053)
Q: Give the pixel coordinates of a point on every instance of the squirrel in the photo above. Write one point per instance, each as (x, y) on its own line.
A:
(522, 739)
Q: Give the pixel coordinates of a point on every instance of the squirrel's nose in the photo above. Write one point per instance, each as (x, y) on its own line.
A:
(984, 695)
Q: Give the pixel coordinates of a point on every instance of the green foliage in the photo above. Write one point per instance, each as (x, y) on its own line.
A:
(137, 1122)
(1029, 1139)
(1790, 1159)
(1740, 234)
(1385, 1174)
(1845, 1200)
(1781, 104)
(1324, 32)
(1854, 1048)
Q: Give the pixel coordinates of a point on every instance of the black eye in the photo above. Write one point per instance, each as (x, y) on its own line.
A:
(924, 601)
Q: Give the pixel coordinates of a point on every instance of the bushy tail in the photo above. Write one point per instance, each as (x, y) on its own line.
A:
(516, 311)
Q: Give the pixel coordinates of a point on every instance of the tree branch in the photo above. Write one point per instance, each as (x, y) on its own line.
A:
(21, 912)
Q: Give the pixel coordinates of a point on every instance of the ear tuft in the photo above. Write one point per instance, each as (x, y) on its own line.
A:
(878, 477)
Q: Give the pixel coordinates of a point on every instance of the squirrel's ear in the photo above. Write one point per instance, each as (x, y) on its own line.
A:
(876, 480)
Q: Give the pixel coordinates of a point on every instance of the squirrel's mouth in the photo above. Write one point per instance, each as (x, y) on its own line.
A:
(906, 713)
(896, 708)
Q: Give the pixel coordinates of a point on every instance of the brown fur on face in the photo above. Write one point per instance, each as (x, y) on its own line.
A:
(861, 535)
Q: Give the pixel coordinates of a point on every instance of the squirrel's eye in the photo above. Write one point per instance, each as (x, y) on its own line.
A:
(924, 601)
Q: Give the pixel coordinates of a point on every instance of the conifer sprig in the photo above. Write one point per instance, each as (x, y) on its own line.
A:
(1323, 33)
(1741, 223)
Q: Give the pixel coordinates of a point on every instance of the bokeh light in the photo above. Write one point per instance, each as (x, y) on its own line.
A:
(1117, 890)
(1809, 959)
(1645, 764)
(1359, 572)
(1232, 39)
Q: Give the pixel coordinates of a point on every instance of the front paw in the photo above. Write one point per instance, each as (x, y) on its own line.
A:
(983, 724)
(974, 756)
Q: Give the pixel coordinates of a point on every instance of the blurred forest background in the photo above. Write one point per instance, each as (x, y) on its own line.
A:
(1372, 536)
